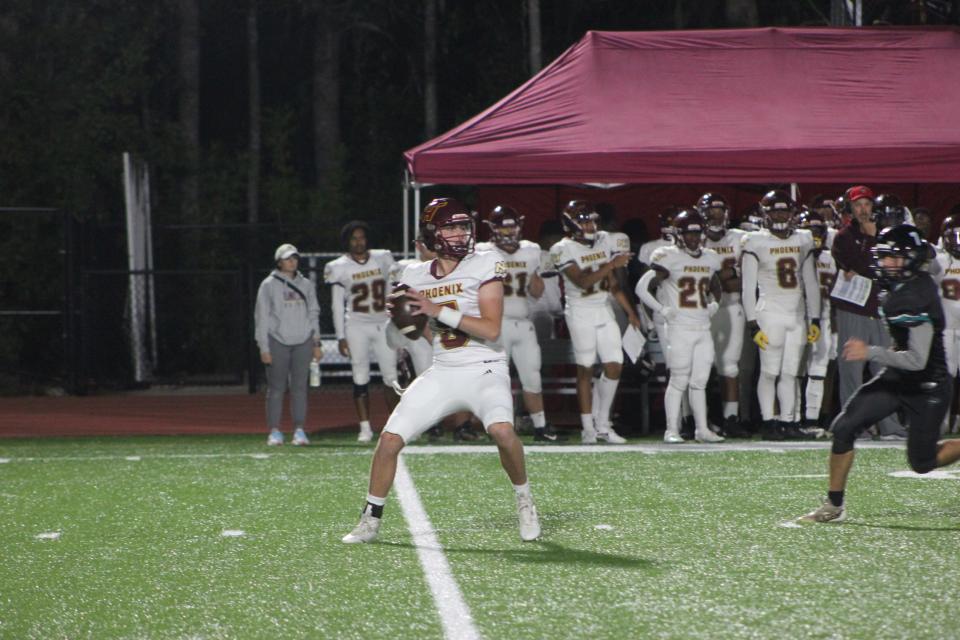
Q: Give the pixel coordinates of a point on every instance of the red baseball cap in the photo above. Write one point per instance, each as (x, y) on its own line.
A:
(860, 191)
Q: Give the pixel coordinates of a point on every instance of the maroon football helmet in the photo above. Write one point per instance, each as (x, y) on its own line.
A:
(690, 226)
(447, 212)
(505, 227)
(778, 210)
(950, 233)
(575, 215)
(813, 222)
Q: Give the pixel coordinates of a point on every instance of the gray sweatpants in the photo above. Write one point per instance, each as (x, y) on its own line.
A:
(290, 363)
(850, 374)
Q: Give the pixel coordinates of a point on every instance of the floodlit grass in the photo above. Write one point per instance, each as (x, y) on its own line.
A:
(677, 544)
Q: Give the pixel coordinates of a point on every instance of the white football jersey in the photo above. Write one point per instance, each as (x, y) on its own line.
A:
(396, 269)
(365, 284)
(826, 277)
(779, 272)
(647, 249)
(521, 266)
(619, 241)
(460, 290)
(728, 249)
(687, 289)
(949, 281)
(568, 251)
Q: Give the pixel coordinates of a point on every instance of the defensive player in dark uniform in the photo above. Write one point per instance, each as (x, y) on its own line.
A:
(915, 377)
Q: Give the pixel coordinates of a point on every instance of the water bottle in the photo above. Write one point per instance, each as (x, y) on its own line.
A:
(314, 373)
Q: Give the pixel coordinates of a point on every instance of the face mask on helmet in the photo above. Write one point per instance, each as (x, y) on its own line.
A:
(507, 235)
(898, 254)
(717, 221)
(450, 216)
(951, 241)
(690, 227)
(580, 222)
(778, 211)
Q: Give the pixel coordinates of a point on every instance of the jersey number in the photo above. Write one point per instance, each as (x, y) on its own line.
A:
(826, 284)
(693, 291)
(361, 291)
(451, 338)
(603, 285)
(787, 273)
(521, 289)
(951, 289)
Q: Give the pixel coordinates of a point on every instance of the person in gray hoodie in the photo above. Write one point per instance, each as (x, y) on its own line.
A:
(287, 331)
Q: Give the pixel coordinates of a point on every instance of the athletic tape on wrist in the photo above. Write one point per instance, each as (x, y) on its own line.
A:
(450, 317)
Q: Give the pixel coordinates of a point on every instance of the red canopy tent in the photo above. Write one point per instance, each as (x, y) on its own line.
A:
(747, 106)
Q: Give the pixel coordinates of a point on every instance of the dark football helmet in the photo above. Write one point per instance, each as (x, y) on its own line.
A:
(690, 227)
(447, 212)
(778, 210)
(950, 235)
(715, 211)
(813, 222)
(904, 241)
(888, 211)
(505, 227)
(580, 221)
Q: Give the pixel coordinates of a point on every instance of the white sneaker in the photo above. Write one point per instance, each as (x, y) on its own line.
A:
(672, 437)
(588, 436)
(275, 439)
(365, 531)
(366, 435)
(529, 522)
(300, 438)
(708, 436)
(610, 436)
(826, 512)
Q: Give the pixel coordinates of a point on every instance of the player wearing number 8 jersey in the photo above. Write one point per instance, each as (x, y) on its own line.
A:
(948, 278)
(688, 277)
(358, 283)
(587, 261)
(461, 291)
(780, 290)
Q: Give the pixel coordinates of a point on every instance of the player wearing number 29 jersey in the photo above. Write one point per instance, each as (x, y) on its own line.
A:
(359, 288)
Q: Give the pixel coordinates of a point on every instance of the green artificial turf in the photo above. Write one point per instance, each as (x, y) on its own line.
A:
(677, 544)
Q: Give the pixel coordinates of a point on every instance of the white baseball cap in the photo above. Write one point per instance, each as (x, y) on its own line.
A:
(284, 251)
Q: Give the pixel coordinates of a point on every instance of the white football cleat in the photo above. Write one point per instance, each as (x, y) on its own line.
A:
(365, 531)
(366, 435)
(300, 438)
(588, 436)
(275, 439)
(708, 436)
(826, 512)
(610, 436)
(672, 437)
(529, 522)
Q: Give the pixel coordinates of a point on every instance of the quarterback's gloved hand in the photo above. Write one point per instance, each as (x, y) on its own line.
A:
(669, 313)
(813, 331)
(759, 337)
(712, 308)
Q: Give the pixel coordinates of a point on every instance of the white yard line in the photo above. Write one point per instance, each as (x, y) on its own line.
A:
(454, 613)
(649, 448)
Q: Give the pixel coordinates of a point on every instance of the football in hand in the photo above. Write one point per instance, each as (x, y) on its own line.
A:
(411, 326)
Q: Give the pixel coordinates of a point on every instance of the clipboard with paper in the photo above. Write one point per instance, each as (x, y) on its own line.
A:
(855, 290)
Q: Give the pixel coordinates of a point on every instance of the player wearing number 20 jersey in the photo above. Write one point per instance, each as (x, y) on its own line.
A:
(359, 289)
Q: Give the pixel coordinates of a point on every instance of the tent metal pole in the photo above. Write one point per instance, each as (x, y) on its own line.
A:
(416, 206)
(406, 214)
(794, 190)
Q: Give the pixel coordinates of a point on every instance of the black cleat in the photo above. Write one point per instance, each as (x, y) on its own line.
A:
(732, 428)
(547, 434)
(771, 430)
(687, 428)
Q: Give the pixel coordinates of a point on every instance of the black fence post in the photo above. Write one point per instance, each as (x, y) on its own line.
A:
(253, 358)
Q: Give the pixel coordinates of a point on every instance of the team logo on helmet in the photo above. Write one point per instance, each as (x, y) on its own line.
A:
(447, 212)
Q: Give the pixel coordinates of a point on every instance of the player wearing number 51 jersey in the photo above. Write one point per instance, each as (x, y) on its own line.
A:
(521, 262)
(587, 262)
(359, 288)
(780, 291)
(687, 275)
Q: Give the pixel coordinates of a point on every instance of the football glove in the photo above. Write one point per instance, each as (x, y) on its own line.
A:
(813, 331)
(759, 337)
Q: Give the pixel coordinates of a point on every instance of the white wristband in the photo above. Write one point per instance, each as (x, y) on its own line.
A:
(450, 317)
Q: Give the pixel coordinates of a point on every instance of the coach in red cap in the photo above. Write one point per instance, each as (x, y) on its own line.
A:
(851, 250)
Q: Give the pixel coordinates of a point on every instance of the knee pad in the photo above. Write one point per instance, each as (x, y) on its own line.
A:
(360, 390)
(728, 370)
